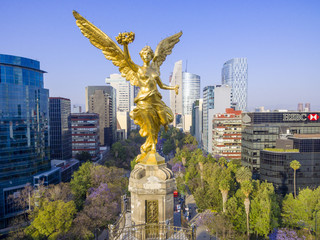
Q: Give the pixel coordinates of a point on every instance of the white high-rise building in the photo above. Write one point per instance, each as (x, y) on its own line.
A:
(189, 92)
(217, 99)
(176, 100)
(125, 92)
(235, 74)
(208, 103)
(76, 109)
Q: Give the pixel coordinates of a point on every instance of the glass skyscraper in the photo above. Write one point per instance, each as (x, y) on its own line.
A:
(60, 128)
(24, 137)
(190, 91)
(208, 103)
(235, 74)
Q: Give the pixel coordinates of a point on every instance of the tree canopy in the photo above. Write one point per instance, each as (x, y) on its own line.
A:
(53, 219)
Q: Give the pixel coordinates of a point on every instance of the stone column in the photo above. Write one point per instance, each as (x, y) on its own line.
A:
(152, 185)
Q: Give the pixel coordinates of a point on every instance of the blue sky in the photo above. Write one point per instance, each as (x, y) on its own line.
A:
(280, 39)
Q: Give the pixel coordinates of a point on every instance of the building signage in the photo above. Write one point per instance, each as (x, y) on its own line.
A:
(295, 117)
(299, 117)
(313, 117)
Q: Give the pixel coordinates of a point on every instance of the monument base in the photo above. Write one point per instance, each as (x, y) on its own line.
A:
(151, 188)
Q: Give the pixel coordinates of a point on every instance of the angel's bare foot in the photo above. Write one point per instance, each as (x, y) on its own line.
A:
(153, 148)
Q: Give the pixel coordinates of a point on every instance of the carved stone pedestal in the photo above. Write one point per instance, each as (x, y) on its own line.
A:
(151, 188)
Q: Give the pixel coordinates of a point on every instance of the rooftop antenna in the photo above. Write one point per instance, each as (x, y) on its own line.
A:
(186, 65)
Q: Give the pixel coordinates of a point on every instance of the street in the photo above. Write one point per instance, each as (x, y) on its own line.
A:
(191, 204)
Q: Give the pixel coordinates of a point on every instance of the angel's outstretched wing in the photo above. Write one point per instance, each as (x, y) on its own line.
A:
(109, 48)
(164, 48)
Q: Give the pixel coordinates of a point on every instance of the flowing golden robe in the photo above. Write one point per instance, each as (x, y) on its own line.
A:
(150, 113)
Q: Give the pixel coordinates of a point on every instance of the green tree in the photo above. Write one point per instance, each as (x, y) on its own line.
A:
(210, 192)
(133, 163)
(80, 183)
(53, 219)
(223, 161)
(243, 174)
(236, 213)
(246, 188)
(264, 209)
(224, 187)
(189, 139)
(218, 225)
(181, 187)
(118, 151)
(295, 165)
(168, 146)
(83, 156)
(301, 212)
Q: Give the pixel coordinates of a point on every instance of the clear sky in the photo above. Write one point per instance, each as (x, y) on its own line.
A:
(280, 39)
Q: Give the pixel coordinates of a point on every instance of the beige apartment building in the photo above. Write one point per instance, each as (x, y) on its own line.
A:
(226, 134)
(102, 100)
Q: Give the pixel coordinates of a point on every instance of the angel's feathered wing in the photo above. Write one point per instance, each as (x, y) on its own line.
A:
(164, 49)
(109, 48)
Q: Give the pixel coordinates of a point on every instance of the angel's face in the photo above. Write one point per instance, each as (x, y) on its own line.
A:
(146, 54)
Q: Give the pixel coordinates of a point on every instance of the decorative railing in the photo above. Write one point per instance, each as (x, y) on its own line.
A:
(116, 229)
(119, 231)
(152, 232)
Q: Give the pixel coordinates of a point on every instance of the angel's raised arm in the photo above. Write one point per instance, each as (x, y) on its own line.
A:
(124, 39)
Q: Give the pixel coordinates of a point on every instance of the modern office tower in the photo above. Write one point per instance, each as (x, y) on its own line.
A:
(125, 92)
(275, 163)
(307, 107)
(218, 98)
(176, 103)
(261, 130)
(76, 109)
(235, 74)
(85, 134)
(24, 128)
(300, 107)
(196, 127)
(102, 100)
(208, 103)
(226, 136)
(60, 128)
(189, 92)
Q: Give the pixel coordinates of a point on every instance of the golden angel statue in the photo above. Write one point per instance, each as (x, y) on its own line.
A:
(150, 112)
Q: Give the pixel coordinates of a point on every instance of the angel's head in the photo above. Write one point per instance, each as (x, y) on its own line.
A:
(146, 54)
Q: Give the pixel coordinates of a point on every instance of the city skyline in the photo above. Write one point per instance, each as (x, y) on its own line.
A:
(278, 39)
